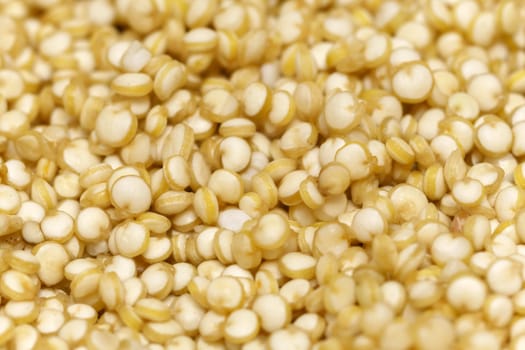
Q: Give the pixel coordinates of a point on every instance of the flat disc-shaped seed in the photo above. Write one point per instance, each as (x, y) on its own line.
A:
(92, 224)
(173, 202)
(443, 146)
(135, 57)
(434, 184)
(499, 310)
(468, 192)
(200, 40)
(79, 159)
(73, 331)
(273, 311)
(135, 290)
(494, 137)
(488, 91)
(9, 200)
(58, 227)
(339, 293)
(463, 105)
(157, 278)
(235, 153)
(111, 290)
(330, 238)
(11, 84)
(177, 172)
(206, 205)
(95, 174)
(290, 338)
(295, 292)
(132, 84)
(412, 82)
(23, 261)
(219, 105)
(368, 223)
(85, 284)
(462, 131)
(282, 109)
(56, 43)
(403, 55)
(446, 247)
(129, 317)
(408, 200)
(291, 26)
(289, 187)
(49, 321)
(52, 257)
(467, 293)
(131, 193)
(161, 332)
(400, 151)
(222, 246)
(334, 178)
(445, 84)
(472, 67)
(298, 139)
(356, 158)
(187, 312)
(115, 127)
(170, 77)
(225, 294)
(202, 127)
(14, 123)
(376, 50)
(120, 172)
(508, 202)
(241, 326)
(212, 325)
(424, 293)
(205, 242)
(18, 175)
(311, 323)
(22, 311)
(256, 99)
(342, 112)
(184, 273)
(125, 268)
(504, 276)
(82, 311)
(226, 185)
(482, 29)
(152, 310)
(132, 239)
(116, 51)
(297, 265)
(159, 249)
(155, 222)
(271, 231)
(78, 266)
(240, 127)
(16, 285)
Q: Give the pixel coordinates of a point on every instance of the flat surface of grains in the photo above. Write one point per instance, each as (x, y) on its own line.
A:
(262, 174)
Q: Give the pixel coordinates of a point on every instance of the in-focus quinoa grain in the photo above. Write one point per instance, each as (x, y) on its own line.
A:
(262, 174)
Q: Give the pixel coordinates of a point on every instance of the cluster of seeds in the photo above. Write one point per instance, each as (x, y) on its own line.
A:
(262, 174)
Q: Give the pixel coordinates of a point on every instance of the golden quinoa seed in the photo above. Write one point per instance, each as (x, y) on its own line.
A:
(412, 82)
(342, 112)
(132, 84)
(318, 174)
(488, 91)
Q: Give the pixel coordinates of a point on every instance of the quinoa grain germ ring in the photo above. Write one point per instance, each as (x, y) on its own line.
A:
(262, 174)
